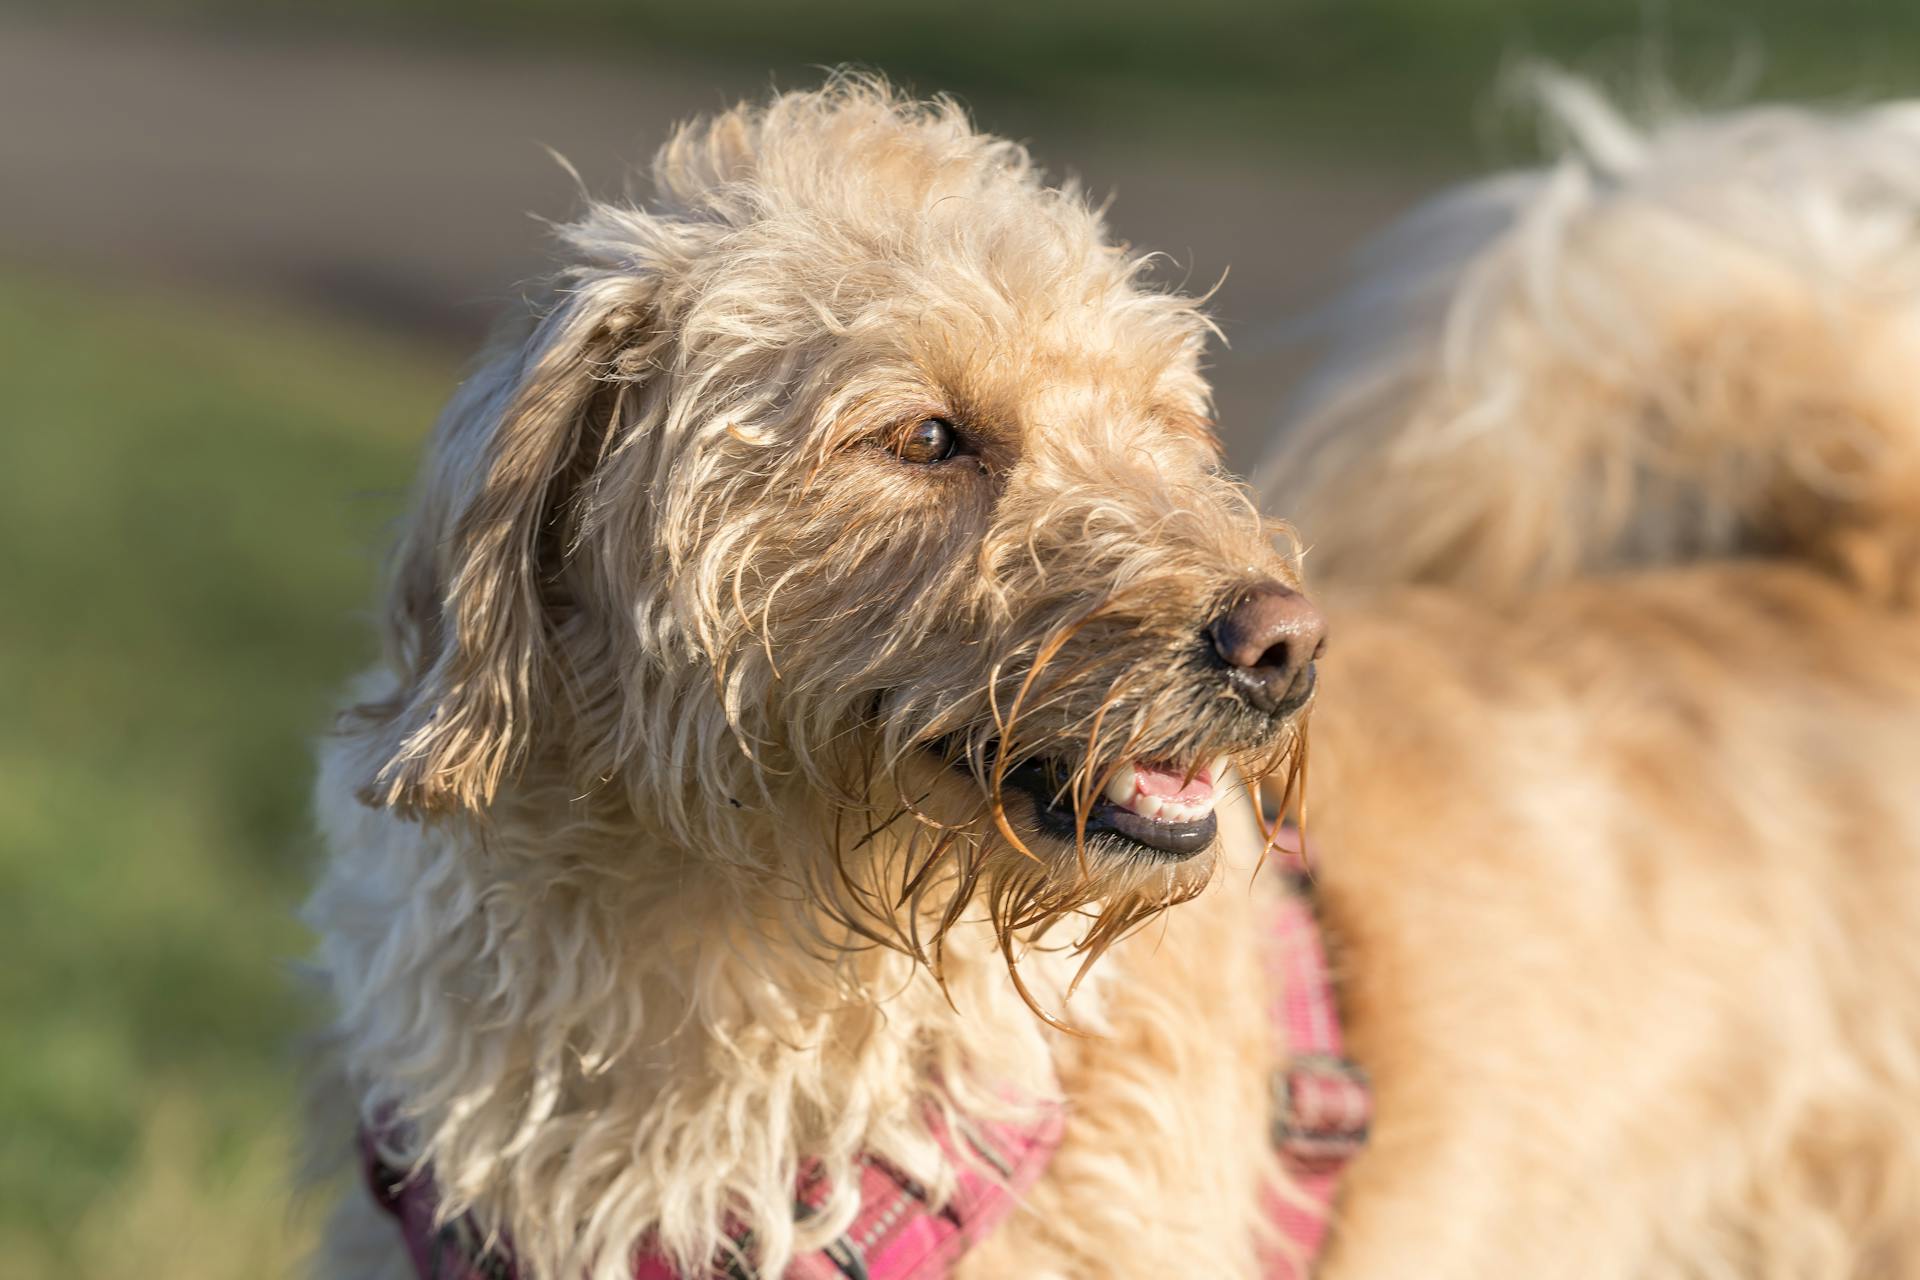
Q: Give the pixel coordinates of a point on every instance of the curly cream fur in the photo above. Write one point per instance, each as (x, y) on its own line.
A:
(673, 845)
(1611, 471)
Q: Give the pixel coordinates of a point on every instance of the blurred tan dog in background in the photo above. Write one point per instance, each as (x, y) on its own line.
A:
(1611, 481)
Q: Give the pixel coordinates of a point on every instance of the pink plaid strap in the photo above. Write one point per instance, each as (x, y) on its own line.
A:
(1321, 1104)
(1320, 1113)
(899, 1233)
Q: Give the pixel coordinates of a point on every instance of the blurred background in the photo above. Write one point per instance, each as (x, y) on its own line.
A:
(244, 248)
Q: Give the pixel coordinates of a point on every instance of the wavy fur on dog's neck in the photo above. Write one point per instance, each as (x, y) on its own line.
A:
(592, 1048)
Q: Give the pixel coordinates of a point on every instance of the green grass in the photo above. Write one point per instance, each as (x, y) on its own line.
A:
(192, 502)
(1365, 77)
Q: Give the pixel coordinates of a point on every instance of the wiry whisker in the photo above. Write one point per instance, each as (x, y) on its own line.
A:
(1293, 796)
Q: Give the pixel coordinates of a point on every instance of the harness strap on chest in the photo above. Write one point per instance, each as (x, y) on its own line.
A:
(898, 1233)
(1320, 1113)
(1322, 1107)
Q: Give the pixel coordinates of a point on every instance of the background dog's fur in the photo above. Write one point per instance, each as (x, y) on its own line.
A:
(1610, 476)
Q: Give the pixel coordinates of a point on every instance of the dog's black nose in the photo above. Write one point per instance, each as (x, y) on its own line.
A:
(1269, 639)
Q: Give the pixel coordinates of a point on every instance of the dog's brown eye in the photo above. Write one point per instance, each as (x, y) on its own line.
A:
(929, 440)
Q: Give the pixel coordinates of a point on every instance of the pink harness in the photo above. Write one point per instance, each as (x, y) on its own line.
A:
(1320, 1115)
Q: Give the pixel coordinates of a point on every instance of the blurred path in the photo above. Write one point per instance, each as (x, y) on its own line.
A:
(394, 185)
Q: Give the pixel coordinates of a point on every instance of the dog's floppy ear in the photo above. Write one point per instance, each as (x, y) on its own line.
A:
(470, 613)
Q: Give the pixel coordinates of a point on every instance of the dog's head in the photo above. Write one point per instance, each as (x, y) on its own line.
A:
(853, 518)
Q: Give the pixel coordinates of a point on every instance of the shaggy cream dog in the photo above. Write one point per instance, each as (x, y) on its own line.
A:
(817, 641)
(1612, 479)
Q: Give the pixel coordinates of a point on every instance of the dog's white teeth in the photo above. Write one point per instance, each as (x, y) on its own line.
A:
(1132, 789)
(1217, 771)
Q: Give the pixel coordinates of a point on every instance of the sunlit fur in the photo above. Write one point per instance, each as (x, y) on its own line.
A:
(670, 847)
(1611, 469)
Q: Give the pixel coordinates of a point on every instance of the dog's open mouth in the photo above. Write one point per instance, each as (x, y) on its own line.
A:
(1157, 809)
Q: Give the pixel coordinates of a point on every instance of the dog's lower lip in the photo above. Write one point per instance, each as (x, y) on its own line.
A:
(1176, 839)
